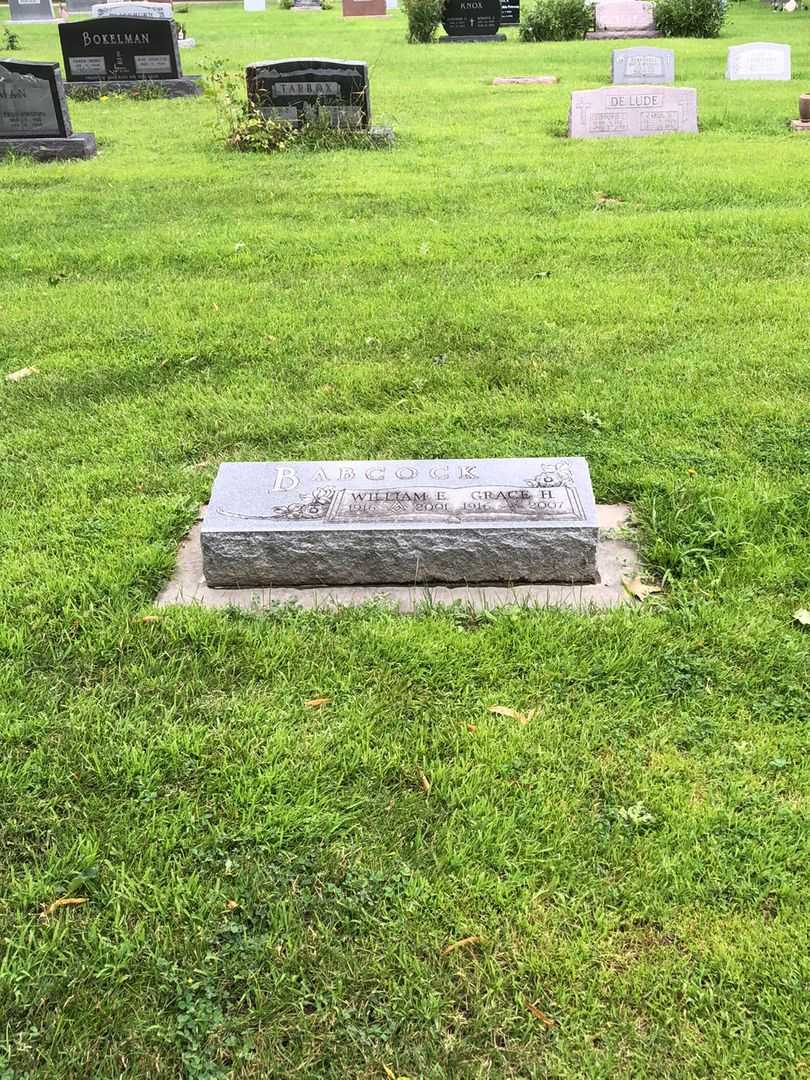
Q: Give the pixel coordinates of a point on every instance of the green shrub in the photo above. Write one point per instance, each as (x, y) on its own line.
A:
(690, 18)
(556, 20)
(424, 17)
(10, 41)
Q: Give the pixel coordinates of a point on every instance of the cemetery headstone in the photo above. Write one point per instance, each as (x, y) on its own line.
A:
(392, 5)
(79, 7)
(643, 64)
(623, 19)
(255, 5)
(374, 9)
(640, 110)
(759, 60)
(34, 116)
(510, 12)
(311, 88)
(146, 10)
(31, 11)
(119, 55)
(369, 522)
(471, 21)
(307, 5)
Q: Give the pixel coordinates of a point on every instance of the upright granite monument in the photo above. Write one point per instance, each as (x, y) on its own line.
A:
(79, 7)
(145, 10)
(642, 64)
(31, 11)
(415, 522)
(118, 55)
(758, 61)
(373, 9)
(471, 21)
(623, 19)
(510, 12)
(314, 88)
(632, 111)
(34, 116)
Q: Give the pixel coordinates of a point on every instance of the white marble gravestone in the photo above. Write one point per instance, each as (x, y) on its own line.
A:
(643, 65)
(632, 111)
(759, 60)
(255, 5)
(414, 522)
(146, 10)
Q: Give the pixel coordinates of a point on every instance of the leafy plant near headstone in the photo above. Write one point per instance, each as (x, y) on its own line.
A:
(11, 41)
(423, 17)
(556, 20)
(690, 18)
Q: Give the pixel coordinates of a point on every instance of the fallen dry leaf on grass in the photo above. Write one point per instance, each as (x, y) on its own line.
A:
(65, 901)
(391, 1075)
(231, 905)
(22, 373)
(150, 618)
(514, 714)
(538, 1014)
(316, 702)
(474, 939)
(423, 780)
(802, 617)
(636, 587)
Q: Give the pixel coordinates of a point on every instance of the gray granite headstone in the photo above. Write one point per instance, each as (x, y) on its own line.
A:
(643, 64)
(759, 60)
(368, 522)
(31, 11)
(34, 118)
(80, 7)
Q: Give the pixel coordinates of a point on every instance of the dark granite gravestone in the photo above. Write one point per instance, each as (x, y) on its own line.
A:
(369, 522)
(299, 90)
(510, 12)
(472, 20)
(33, 114)
(117, 55)
(31, 11)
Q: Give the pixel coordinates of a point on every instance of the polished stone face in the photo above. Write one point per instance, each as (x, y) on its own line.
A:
(471, 18)
(643, 65)
(759, 61)
(312, 87)
(31, 101)
(624, 15)
(632, 111)
(364, 522)
(120, 49)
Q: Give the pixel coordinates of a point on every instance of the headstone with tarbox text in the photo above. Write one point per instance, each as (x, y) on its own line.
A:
(31, 11)
(639, 110)
(34, 116)
(760, 60)
(643, 64)
(414, 522)
(471, 21)
(120, 55)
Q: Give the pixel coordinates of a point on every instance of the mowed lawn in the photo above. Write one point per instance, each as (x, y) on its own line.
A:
(271, 889)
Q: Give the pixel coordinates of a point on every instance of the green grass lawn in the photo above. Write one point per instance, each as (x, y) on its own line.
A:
(270, 888)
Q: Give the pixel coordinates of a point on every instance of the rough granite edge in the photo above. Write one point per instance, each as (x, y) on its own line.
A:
(80, 145)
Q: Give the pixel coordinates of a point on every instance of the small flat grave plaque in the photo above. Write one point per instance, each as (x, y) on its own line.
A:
(368, 522)
(759, 60)
(120, 49)
(642, 110)
(303, 89)
(643, 65)
(472, 18)
(31, 11)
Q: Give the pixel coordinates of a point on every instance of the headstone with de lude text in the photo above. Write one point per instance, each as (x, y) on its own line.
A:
(471, 21)
(632, 111)
(368, 522)
(118, 54)
(31, 11)
(642, 64)
(760, 60)
(34, 116)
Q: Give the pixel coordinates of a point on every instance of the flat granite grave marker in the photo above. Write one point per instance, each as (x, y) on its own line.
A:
(471, 21)
(118, 54)
(311, 88)
(31, 11)
(623, 19)
(643, 64)
(758, 61)
(640, 110)
(367, 522)
(34, 117)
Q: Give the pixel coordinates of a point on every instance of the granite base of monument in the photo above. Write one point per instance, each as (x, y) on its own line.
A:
(185, 86)
(800, 125)
(471, 40)
(620, 35)
(80, 145)
(504, 520)
(617, 561)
